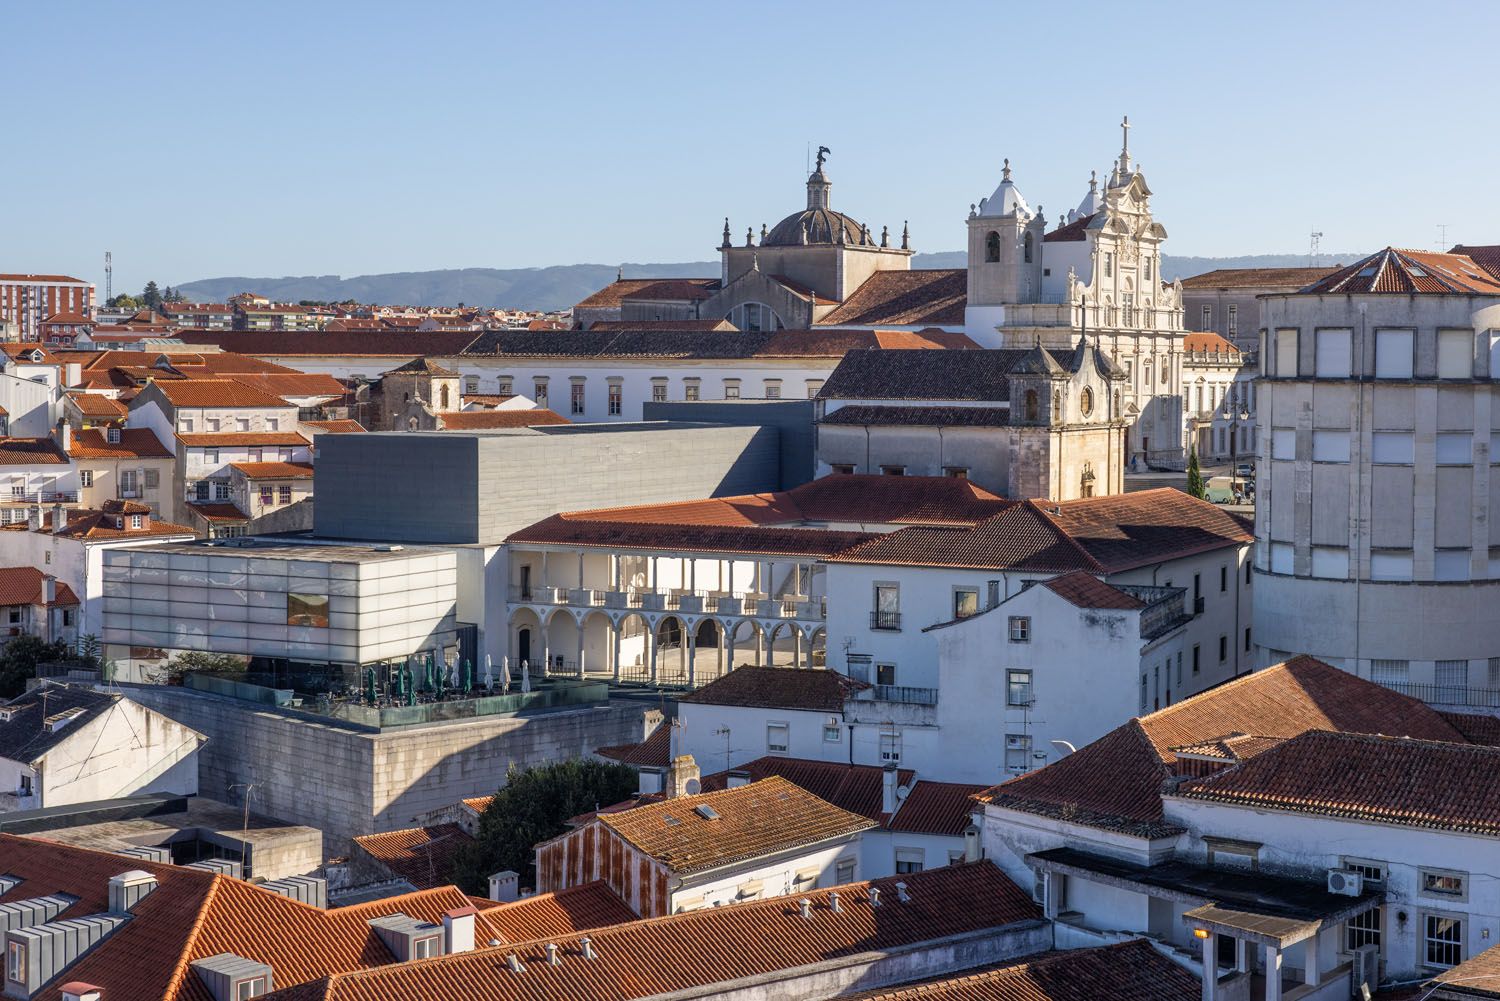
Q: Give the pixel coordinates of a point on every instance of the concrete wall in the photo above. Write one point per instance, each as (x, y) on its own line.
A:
(792, 419)
(463, 488)
(348, 782)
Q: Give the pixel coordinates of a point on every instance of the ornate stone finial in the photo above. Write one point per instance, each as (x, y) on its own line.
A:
(726, 232)
(1005, 173)
(885, 236)
(1093, 181)
(864, 234)
(906, 235)
(749, 236)
(973, 210)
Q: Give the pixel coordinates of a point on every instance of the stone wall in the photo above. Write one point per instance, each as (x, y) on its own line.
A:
(348, 781)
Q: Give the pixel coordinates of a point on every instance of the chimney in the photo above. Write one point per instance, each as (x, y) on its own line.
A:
(805, 906)
(73, 373)
(738, 777)
(553, 959)
(128, 889)
(49, 589)
(874, 896)
(80, 991)
(972, 850)
(505, 886)
(34, 518)
(586, 946)
(458, 930)
(514, 962)
(888, 789)
(684, 777)
(901, 893)
(993, 589)
(833, 903)
(59, 517)
(64, 435)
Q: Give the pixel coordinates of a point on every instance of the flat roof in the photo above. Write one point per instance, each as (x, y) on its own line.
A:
(603, 427)
(325, 550)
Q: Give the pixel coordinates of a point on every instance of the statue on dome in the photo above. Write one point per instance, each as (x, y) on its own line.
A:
(823, 153)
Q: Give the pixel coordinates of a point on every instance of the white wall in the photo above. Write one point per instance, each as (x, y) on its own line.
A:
(747, 735)
(125, 751)
(778, 875)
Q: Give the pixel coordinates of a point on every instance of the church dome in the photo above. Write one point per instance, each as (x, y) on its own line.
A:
(817, 224)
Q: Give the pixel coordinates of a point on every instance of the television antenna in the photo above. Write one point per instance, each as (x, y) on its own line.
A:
(109, 276)
(1442, 238)
(1312, 254)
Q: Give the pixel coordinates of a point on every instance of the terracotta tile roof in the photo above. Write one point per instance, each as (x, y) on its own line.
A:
(134, 443)
(936, 808)
(1288, 279)
(874, 415)
(1232, 747)
(298, 384)
(682, 952)
(14, 349)
(194, 364)
(1486, 256)
(275, 470)
(856, 788)
(423, 856)
(217, 512)
(906, 298)
(1409, 272)
(661, 340)
(226, 439)
(1204, 342)
(1477, 977)
(31, 452)
(556, 915)
(759, 819)
(98, 405)
(487, 400)
(706, 325)
(487, 420)
(1125, 531)
(981, 376)
(217, 393)
(561, 530)
(1087, 591)
(655, 750)
(336, 427)
(23, 586)
(615, 293)
(1129, 971)
(1477, 728)
(825, 343)
(73, 318)
(99, 526)
(194, 914)
(354, 343)
(1021, 537)
(1387, 780)
(1072, 232)
(423, 366)
(1116, 781)
(20, 279)
(811, 689)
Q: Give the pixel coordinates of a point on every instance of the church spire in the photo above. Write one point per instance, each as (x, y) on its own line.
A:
(1122, 169)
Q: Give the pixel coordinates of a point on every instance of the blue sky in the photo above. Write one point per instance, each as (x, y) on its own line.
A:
(325, 137)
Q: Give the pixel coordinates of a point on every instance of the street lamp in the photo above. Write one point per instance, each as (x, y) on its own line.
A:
(1237, 413)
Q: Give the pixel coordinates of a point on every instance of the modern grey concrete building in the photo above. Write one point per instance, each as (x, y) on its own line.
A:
(1378, 520)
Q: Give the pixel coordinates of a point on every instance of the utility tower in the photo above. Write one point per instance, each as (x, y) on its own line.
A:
(1312, 253)
(109, 276)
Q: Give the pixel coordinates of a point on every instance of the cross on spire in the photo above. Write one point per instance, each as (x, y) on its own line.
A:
(1125, 145)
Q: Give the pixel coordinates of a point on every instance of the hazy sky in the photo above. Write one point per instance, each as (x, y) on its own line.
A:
(204, 139)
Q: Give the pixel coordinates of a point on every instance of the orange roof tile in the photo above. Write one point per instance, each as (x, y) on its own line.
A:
(336, 427)
(758, 819)
(1409, 272)
(554, 915)
(484, 420)
(687, 951)
(274, 470)
(23, 586)
(423, 856)
(217, 393)
(133, 443)
(906, 298)
(1202, 341)
(31, 452)
(936, 808)
(656, 750)
(1087, 591)
(98, 405)
(810, 689)
(859, 789)
(613, 294)
(217, 511)
(1289, 279)
(209, 439)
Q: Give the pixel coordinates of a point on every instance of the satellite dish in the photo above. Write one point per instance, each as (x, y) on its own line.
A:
(693, 786)
(902, 792)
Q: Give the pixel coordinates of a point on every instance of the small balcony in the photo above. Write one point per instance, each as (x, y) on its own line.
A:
(797, 606)
(885, 621)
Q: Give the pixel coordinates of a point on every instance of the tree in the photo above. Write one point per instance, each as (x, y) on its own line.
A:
(19, 658)
(201, 662)
(533, 806)
(123, 301)
(1195, 487)
(151, 296)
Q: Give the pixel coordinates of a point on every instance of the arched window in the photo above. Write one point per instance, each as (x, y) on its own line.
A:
(1056, 405)
(443, 395)
(1116, 414)
(992, 248)
(1031, 404)
(1026, 247)
(405, 397)
(1086, 401)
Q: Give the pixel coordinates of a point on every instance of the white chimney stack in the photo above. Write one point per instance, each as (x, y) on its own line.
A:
(738, 777)
(684, 777)
(128, 889)
(586, 946)
(74, 372)
(553, 959)
(49, 589)
(458, 930)
(901, 893)
(874, 896)
(77, 990)
(505, 886)
(972, 850)
(59, 517)
(805, 906)
(64, 435)
(833, 903)
(34, 517)
(888, 789)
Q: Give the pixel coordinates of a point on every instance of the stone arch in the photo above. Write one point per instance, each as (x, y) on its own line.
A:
(443, 397)
(635, 647)
(1028, 247)
(749, 641)
(992, 248)
(561, 639)
(598, 643)
(817, 647)
(1031, 405)
(525, 639)
(670, 636)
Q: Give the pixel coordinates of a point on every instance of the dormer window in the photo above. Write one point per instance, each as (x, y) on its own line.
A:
(136, 521)
(112, 436)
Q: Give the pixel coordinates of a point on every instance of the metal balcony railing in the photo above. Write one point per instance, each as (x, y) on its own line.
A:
(902, 693)
(1447, 695)
(890, 621)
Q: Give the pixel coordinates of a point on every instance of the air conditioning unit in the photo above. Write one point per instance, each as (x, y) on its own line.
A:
(1365, 975)
(1345, 882)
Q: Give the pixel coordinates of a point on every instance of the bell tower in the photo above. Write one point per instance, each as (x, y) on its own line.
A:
(1005, 258)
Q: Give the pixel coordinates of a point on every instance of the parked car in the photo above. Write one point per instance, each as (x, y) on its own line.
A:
(1222, 490)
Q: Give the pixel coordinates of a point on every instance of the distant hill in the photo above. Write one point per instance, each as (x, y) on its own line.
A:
(561, 286)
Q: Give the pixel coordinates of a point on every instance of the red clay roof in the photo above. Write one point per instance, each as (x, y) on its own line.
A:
(1125, 531)
(210, 439)
(1288, 279)
(97, 526)
(1116, 781)
(217, 512)
(1202, 342)
(484, 420)
(856, 788)
(23, 586)
(755, 820)
(1020, 537)
(1072, 232)
(810, 689)
(906, 298)
(655, 750)
(1130, 971)
(936, 808)
(555, 915)
(1486, 256)
(134, 443)
(1409, 272)
(570, 531)
(423, 856)
(682, 952)
(274, 470)
(1477, 728)
(1087, 591)
(355, 343)
(1387, 780)
(31, 452)
(1476, 977)
(299, 384)
(98, 405)
(615, 293)
(218, 393)
(344, 426)
(821, 343)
